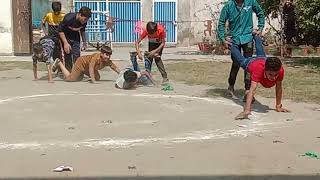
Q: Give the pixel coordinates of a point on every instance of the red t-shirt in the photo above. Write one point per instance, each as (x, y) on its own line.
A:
(156, 37)
(256, 70)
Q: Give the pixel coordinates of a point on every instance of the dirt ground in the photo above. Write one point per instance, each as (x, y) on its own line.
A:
(105, 132)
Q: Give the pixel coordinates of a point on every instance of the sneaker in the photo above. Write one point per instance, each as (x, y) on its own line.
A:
(165, 80)
(229, 92)
(55, 64)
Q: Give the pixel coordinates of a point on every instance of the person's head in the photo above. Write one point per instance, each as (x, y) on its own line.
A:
(130, 78)
(106, 53)
(37, 50)
(56, 7)
(152, 27)
(288, 3)
(84, 14)
(272, 68)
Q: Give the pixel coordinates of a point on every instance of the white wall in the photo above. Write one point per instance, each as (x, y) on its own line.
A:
(6, 47)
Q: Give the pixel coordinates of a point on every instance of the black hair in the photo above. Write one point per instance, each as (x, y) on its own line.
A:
(106, 49)
(56, 6)
(85, 11)
(152, 27)
(273, 64)
(37, 48)
(130, 78)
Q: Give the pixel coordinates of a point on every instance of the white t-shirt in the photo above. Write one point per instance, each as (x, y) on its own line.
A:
(120, 82)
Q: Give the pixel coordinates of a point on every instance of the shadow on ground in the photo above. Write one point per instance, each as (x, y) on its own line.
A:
(238, 99)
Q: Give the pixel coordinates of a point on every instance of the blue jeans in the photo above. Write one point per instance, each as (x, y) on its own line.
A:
(143, 79)
(244, 62)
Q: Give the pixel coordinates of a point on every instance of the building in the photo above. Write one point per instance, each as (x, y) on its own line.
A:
(187, 22)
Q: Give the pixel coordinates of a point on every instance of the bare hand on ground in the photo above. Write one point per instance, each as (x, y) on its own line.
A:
(242, 115)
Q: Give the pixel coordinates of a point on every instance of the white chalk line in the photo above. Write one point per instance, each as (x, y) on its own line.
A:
(256, 127)
(116, 143)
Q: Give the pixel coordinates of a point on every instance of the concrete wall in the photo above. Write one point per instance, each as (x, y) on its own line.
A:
(197, 13)
(6, 43)
(42, 7)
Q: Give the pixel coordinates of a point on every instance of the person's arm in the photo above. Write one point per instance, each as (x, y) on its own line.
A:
(250, 95)
(91, 71)
(35, 72)
(114, 68)
(221, 26)
(137, 44)
(62, 26)
(163, 42)
(149, 76)
(49, 68)
(260, 14)
(279, 97)
(84, 39)
(43, 25)
(35, 68)
(153, 52)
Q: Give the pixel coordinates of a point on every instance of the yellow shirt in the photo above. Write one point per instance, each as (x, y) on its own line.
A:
(52, 19)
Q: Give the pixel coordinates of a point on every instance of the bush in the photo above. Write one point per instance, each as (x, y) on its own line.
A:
(309, 21)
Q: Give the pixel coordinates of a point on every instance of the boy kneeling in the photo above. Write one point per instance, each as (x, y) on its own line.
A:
(45, 51)
(88, 65)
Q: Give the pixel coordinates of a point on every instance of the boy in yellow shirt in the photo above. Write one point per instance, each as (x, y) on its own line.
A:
(53, 19)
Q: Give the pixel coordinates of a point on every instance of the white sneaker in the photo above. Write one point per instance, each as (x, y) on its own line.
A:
(55, 64)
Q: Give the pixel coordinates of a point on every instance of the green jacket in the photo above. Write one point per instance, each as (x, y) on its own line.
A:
(240, 20)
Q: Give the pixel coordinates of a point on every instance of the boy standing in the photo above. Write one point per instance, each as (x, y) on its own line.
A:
(238, 13)
(70, 29)
(53, 19)
(156, 35)
(89, 65)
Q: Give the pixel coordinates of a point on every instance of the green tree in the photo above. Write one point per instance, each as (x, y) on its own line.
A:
(309, 21)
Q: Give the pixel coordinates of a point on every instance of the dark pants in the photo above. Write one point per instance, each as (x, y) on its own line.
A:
(71, 58)
(247, 52)
(148, 61)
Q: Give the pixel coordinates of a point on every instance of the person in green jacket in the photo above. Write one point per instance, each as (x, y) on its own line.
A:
(238, 13)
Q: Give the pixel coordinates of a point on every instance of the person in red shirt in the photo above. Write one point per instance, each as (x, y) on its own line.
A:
(156, 34)
(267, 71)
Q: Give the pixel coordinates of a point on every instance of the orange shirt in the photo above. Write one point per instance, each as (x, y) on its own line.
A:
(84, 63)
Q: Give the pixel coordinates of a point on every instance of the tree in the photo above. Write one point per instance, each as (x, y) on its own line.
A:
(309, 21)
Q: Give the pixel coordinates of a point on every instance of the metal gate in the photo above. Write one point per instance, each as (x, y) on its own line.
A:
(165, 12)
(96, 29)
(125, 15)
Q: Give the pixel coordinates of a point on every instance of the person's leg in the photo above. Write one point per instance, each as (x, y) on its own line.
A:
(247, 52)
(75, 51)
(133, 58)
(238, 57)
(233, 75)
(64, 70)
(259, 46)
(97, 75)
(161, 68)
(148, 63)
